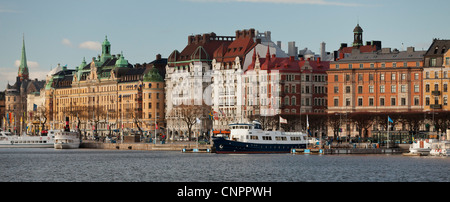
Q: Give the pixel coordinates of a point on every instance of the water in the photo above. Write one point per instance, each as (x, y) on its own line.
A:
(90, 165)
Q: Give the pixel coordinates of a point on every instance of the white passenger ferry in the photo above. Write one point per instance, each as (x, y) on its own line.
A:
(251, 138)
(7, 139)
(66, 139)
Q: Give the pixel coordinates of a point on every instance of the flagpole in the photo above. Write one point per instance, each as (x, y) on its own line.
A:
(387, 140)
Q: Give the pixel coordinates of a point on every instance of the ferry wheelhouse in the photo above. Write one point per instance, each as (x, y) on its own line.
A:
(251, 138)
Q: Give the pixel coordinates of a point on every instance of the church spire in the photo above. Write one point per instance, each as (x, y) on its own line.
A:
(23, 67)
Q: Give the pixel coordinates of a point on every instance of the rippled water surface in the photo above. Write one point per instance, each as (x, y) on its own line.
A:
(89, 165)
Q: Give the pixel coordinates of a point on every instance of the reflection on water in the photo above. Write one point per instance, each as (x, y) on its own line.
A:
(87, 165)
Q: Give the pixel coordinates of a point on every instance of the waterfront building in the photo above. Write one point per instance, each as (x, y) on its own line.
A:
(436, 79)
(383, 81)
(107, 96)
(227, 78)
(285, 87)
(16, 96)
(188, 80)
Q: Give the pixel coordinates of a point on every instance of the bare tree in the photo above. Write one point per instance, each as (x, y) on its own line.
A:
(189, 113)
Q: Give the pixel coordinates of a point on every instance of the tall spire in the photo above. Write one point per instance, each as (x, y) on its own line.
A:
(23, 67)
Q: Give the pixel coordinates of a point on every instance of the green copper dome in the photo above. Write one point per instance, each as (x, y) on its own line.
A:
(121, 62)
(153, 76)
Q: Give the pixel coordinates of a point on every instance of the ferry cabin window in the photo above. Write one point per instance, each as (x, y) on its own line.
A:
(266, 137)
(253, 137)
(295, 138)
(280, 138)
(257, 126)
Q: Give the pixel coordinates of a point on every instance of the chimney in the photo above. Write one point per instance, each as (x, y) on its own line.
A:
(158, 57)
(279, 44)
(410, 50)
(67, 128)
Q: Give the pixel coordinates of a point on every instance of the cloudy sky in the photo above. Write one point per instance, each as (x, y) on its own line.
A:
(63, 31)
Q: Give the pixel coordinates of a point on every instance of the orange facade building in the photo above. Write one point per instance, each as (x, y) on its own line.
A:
(381, 81)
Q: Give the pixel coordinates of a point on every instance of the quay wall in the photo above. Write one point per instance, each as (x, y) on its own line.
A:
(143, 146)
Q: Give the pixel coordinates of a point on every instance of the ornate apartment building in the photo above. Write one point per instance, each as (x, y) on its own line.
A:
(108, 95)
(436, 78)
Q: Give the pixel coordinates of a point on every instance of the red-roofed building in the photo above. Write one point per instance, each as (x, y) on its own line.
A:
(284, 86)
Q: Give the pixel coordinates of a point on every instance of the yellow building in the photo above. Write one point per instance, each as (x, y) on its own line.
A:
(107, 96)
(436, 83)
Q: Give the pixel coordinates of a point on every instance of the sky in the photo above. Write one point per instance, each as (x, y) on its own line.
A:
(65, 31)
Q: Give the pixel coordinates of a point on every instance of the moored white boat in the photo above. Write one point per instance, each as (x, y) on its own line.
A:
(441, 148)
(8, 140)
(66, 139)
(251, 138)
(422, 146)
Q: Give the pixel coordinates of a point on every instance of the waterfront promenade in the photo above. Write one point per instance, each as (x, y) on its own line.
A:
(344, 148)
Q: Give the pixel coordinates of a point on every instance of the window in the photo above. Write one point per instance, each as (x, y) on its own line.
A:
(347, 77)
(347, 89)
(416, 76)
(360, 77)
(416, 101)
(427, 101)
(405, 64)
(347, 102)
(360, 102)
(393, 76)
(383, 65)
(403, 76)
(337, 66)
(445, 87)
(427, 88)
(447, 61)
(293, 101)
(436, 87)
(372, 65)
(416, 88)
(370, 89)
(336, 102)
(433, 62)
(360, 89)
(445, 100)
(350, 66)
(370, 101)
(403, 101)
(381, 101)
(394, 64)
(382, 89)
(403, 88)
(393, 101)
(336, 78)
(286, 101)
(336, 89)
(393, 88)
(427, 75)
(370, 77)
(382, 77)
(436, 74)
(361, 65)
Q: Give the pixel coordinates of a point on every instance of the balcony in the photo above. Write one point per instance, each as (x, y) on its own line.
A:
(436, 93)
(436, 106)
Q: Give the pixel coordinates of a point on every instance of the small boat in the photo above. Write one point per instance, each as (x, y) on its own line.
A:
(66, 139)
(422, 146)
(251, 138)
(8, 140)
(441, 148)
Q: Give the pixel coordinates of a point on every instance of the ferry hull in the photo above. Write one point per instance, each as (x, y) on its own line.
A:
(223, 145)
(66, 145)
(36, 145)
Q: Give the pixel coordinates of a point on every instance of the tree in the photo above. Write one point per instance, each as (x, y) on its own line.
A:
(363, 121)
(189, 113)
